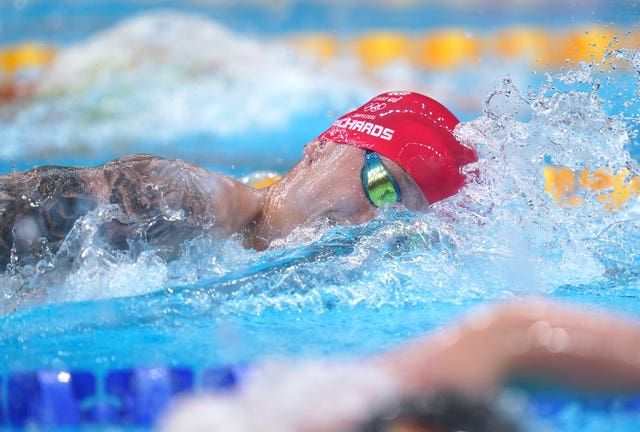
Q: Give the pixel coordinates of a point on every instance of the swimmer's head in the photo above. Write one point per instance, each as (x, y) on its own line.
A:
(414, 131)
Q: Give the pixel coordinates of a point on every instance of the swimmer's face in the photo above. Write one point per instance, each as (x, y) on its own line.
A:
(326, 186)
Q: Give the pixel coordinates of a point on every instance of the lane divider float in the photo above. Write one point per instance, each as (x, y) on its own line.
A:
(612, 188)
(434, 49)
(451, 48)
(15, 60)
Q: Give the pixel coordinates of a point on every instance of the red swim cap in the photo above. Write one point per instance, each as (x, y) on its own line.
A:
(414, 131)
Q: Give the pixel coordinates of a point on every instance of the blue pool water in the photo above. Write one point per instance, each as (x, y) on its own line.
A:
(203, 83)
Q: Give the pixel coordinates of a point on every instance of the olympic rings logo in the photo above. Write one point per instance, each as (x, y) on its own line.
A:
(398, 93)
(374, 106)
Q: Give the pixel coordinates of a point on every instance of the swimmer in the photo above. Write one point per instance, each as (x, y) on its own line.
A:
(445, 381)
(397, 148)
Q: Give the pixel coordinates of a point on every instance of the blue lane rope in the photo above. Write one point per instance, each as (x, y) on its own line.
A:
(137, 397)
(127, 397)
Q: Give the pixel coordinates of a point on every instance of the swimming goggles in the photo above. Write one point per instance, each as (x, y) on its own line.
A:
(379, 185)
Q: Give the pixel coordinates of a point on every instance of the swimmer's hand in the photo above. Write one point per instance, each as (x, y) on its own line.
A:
(555, 343)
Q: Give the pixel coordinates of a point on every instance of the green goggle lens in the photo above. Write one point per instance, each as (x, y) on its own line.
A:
(378, 183)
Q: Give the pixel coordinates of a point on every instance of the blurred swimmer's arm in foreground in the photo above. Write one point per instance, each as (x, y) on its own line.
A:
(555, 343)
(536, 339)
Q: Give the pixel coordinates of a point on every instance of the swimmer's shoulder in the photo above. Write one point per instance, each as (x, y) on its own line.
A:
(148, 164)
(42, 180)
(130, 169)
(140, 183)
(135, 159)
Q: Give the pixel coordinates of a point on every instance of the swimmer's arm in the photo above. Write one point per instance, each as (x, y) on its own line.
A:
(558, 344)
(146, 184)
(234, 205)
(145, 187)
(577, 348)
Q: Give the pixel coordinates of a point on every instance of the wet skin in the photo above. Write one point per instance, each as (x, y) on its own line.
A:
(165, 202)
(324, 185)
(162, 201)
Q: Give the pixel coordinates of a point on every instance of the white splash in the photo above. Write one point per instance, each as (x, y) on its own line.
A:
(159, 76)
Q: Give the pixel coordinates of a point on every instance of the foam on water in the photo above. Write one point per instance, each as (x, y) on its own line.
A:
(518, 221)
